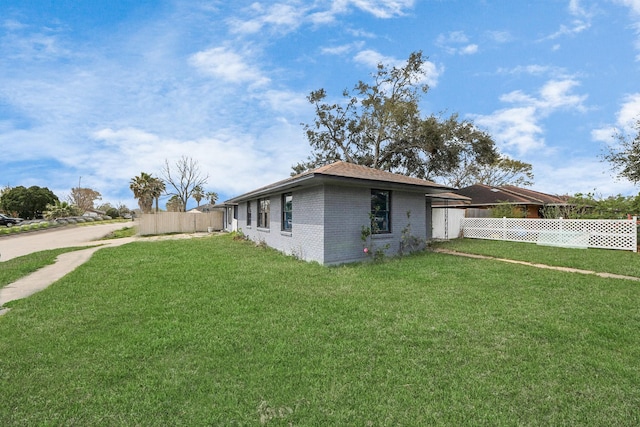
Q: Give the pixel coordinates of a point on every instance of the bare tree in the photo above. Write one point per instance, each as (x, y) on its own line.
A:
(84, 198)
(184, 180)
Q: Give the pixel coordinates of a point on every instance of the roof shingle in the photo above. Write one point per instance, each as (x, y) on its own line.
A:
(346, 171)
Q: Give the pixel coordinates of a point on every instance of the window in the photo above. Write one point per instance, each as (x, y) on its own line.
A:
(248, 214)
(287, 207)
(380, 211)
(263, 213)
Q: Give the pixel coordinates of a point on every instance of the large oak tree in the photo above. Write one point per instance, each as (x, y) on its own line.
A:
(380, 125)
(625, 157)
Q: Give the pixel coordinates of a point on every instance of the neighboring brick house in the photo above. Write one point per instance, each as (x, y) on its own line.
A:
(318, 215)
(484, 197)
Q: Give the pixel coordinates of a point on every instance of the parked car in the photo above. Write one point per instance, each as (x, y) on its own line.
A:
(8, 221)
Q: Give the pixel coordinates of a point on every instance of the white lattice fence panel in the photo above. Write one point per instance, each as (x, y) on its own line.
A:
(607, 234)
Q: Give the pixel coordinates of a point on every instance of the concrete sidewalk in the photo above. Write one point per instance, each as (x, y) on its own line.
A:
(66, 263)
(49, 274)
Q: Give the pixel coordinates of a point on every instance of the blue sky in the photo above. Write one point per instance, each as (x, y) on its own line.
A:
(97, 91)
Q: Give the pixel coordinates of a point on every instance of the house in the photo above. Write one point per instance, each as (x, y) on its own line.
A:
(484, 197)
(207, 208)
(319, 215)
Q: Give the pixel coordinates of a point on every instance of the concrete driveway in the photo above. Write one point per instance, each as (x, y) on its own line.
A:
(23, 244)
(16, 245)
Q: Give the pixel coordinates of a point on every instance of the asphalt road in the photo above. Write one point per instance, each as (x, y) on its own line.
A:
(13, 246)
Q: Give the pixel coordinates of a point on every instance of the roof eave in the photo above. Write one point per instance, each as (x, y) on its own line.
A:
(312, 179)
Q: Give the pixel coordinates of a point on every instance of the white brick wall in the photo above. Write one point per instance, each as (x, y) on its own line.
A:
(346, 211)
(306, 238)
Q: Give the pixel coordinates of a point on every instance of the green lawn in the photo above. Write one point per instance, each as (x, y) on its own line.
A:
(602, 260)
(217, 332)
(15, 268)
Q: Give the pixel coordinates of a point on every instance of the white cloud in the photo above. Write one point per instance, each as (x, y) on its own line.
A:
(284, 17)
(634, 6)
(469, 49)
(227, 65)
(581, 21)
(361, 33)
(257, 161)
(625, 123)
(13, 25)
(535, 70)
(384, 8)
(284, 102)
(629, 113)
(518, 128)
(279, 17)
(500, 36)
(604, 134)
(556, 94)
(24, 45)
(371, 59)
(342, 49)
(456, 42)
(572, 176)
(514, 129)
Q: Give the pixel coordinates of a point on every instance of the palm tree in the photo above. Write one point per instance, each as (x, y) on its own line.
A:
(174, 204)
(213, 197)
(60, 209)
(142, 190)
(198, 194)
(156, 188)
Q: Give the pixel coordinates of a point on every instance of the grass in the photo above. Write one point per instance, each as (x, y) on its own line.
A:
(601, 260)
(216, 332)
(118, 234)
(15, 268)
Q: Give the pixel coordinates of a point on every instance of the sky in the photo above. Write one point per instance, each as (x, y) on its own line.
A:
(94, 92)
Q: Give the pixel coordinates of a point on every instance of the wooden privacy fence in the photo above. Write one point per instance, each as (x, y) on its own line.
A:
(180, 222)
(583, 233)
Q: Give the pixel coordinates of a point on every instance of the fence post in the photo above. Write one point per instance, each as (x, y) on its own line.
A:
(504, 228)
(635, 235)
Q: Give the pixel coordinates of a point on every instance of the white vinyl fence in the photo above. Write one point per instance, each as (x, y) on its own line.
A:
(592, 233)
(446, 223)
(180, 222)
